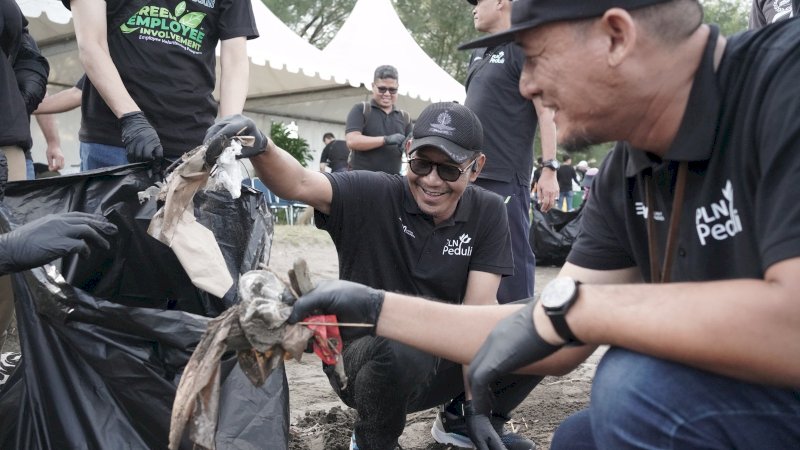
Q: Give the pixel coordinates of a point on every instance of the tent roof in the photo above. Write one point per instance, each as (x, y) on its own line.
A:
(373, 35)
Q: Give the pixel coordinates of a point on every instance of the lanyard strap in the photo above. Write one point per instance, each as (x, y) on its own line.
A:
(663, 275)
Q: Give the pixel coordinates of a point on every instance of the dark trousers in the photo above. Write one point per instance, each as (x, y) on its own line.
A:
(387, 380)
(520, 285)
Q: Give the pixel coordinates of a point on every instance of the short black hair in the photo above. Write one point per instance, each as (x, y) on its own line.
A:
(328, 135)
(386, 71)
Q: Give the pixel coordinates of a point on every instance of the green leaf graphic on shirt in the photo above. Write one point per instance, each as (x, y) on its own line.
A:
(180, 9)
(192, 19)
(127, 29)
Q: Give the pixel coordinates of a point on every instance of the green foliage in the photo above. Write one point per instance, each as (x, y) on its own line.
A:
(439, 27)
(316, 21)
(297, 147)
(730, 15)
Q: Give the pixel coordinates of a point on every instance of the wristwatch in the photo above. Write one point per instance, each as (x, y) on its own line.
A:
(551, 164)
(557, 298)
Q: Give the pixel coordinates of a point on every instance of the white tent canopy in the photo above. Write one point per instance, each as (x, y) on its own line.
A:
(373, 35)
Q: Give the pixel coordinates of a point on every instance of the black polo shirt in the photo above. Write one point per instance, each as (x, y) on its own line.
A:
(335, 154)
(509, 119)
(385, 158)
(385, 241)
(740, 135)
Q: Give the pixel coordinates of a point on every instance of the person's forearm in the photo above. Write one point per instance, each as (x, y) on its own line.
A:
(234, 76)
(284, 176)
(47, 123)
(360, 143)
(547, 186)
(456, 332)
(90, 32)
(59, 102)
(746, 329)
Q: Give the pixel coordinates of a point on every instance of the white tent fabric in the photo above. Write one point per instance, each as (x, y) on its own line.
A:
(373, 35)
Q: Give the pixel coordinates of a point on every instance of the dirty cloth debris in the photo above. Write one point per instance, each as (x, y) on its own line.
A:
(256, 329)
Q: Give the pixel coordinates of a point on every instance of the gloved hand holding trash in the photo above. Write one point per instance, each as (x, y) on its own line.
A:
(51, 237)
(219, 135)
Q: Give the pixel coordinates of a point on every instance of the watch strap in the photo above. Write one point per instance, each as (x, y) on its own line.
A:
(559, 322)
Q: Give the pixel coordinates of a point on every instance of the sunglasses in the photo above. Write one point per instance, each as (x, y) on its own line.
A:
(383, 89)
(423, 167)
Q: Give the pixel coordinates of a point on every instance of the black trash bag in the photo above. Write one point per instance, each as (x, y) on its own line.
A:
(552, 235)
(101, 371)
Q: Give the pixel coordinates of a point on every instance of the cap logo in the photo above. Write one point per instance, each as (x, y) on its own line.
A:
(442, 126)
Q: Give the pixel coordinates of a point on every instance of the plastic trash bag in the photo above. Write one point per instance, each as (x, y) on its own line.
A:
(102, 355)
(552, 235)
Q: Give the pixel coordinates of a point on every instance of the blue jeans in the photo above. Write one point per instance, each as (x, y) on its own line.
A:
(519, 285)
(97, 156)
(29, 172)
(643, 402)
(565, 195)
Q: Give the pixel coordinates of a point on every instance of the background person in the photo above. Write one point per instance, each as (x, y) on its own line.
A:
(375, 131)
(334, 155)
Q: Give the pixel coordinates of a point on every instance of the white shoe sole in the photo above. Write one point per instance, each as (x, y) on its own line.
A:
(443, 437)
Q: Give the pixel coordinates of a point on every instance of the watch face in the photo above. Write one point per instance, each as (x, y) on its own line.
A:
(551, 163)
(558, 292)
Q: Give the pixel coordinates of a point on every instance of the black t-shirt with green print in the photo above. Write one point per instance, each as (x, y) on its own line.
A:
(164, 52)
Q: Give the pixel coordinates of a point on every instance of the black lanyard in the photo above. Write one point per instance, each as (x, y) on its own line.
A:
(663, 275)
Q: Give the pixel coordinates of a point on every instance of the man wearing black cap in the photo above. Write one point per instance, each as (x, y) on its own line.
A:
(688, 257)
(430, 233)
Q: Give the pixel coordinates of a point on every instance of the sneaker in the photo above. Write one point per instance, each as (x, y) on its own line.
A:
(450, 428)
(8, 363)
(353, 445)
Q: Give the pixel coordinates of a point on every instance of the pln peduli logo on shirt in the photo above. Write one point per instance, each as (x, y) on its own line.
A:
(719, 220)
(458, 247)
(157, 23)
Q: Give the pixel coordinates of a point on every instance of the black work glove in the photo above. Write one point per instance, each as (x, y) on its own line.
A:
(51, 237)
(219, 134)
(350, 302)
(140, 138)
(480, 429)
(394, 139)
(513, 343)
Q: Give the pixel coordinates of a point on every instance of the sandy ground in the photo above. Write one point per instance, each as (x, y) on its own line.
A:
(319, 421)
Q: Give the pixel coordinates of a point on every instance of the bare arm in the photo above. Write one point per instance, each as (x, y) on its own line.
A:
(284, 176)
(481, 290)
(90, 32)
(547, 186)
(234, 75)
(63, 101)
(745, 329)
(360, 143)
(456, 332)
(55, 158)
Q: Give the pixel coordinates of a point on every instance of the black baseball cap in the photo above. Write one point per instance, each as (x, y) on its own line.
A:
(450, 127)
(527, 14)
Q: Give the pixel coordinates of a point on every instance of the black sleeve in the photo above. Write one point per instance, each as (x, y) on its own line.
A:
(237, 20)
(325, 157)
(492, 253)
(355, 119)
(81, 83)
(31, 70)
